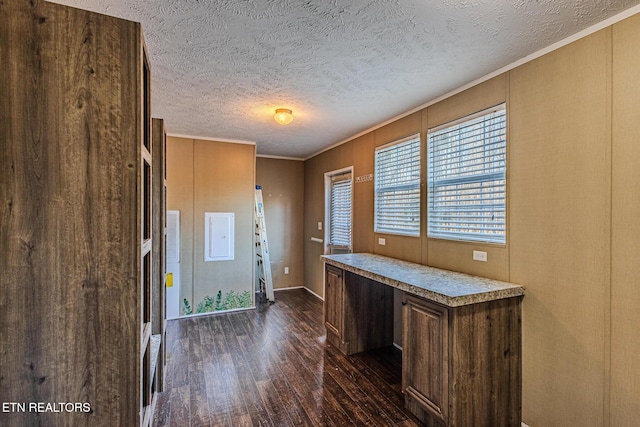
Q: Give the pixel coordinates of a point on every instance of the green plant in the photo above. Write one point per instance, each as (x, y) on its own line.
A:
(219, 301)
(229, 301)
(206, 305)
(244, 299)
(186, 310)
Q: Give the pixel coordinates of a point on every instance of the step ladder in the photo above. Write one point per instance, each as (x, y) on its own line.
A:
(262, 249)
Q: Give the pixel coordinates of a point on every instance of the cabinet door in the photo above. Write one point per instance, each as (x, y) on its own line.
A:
(425, 360)
(333, 300)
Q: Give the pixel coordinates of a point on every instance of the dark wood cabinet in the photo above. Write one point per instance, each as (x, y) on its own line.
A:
(461, 358)
(358, 311)
(158, 294)
(461, 366)
(425, 358)
(333, 314)
(78, 218)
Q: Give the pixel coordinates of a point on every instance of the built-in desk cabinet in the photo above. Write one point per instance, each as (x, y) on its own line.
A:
(358, 312)
(461, 363)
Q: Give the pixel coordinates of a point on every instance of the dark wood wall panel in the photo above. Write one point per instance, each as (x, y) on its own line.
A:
(69, 311)
(159, 206)
(368, 314)
(486, 345)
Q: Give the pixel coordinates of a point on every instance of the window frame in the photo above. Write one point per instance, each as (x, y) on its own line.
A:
(414, 187)
(500, 239)
(328, 178)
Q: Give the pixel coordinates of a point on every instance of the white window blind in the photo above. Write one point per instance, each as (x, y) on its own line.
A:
(340, 210)
(466, 171)
(397, 187)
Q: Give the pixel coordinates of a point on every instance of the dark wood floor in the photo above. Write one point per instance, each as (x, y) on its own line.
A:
(272, 367)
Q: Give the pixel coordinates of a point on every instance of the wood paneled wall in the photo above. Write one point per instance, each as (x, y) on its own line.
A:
(559, 228)
(180, 194)
(625, 225)
(573, 232)
(282, 184)
(363, 218)
(211, 176)
(314, 170)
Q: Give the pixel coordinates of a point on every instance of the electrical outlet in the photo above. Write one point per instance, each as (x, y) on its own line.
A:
(480, 256)
(286, 270)
(382, 241)
(319, 225)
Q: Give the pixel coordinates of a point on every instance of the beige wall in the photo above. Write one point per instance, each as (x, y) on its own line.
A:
(209, 176)
(180, 191)
(625, 216)
(573, 232)
(282, 184)
(314, 170)
(559, 228)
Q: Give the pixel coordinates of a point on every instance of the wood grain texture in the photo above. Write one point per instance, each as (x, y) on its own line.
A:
(486, 364)
(272, 367)
(333, 307)
(368, 312)
(358, 312)
(462, 366)
(158, 300)
(70, 129)
(425, 359)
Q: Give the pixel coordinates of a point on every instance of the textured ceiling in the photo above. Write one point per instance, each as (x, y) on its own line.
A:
(221, 67)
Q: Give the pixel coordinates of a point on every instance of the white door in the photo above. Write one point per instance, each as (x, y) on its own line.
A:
(173, 264)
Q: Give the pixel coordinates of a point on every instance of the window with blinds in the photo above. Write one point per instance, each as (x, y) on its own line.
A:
(397, 187)
(466, 170)
(340, 210)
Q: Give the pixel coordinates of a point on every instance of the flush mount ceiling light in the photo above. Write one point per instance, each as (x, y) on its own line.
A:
(283, 116)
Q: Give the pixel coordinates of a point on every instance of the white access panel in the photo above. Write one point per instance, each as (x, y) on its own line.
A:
(218, 236)
(172, 236)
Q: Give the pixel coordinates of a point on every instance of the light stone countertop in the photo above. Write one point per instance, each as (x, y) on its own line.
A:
(446, 287)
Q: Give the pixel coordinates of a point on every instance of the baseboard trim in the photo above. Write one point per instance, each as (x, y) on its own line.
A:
(313, 293)
(288, 289)
(211, 313)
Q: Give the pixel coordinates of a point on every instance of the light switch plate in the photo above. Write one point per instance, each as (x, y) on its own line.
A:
(480, 256)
